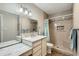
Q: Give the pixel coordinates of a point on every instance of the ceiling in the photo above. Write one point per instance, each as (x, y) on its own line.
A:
(53, 8)
(49, 8)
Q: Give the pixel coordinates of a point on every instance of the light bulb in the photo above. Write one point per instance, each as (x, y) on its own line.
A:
(30, 13)
(55, 24)
(63, 17)
(26, 12)
(21, 9)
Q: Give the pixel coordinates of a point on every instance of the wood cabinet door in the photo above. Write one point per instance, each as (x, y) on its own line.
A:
(44, 47)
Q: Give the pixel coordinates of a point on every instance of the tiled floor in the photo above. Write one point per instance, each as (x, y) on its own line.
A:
(55, 53)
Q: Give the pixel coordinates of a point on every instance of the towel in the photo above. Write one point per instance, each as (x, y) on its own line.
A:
(74, 39)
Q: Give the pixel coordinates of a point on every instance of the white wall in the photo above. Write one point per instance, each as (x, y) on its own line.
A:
(76, 15)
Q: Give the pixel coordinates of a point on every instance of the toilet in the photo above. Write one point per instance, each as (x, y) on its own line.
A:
(49, 47)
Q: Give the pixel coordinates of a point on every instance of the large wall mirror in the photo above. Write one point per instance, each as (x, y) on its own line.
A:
(29, 27)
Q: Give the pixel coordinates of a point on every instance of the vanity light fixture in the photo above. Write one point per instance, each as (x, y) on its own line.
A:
(25, 11)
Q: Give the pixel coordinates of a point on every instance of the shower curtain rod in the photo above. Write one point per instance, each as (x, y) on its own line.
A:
(55, 20)
(61, 16)
(77, 29)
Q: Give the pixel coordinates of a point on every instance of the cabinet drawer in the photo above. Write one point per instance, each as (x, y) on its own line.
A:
(36, 48)
(38, 53)
(27, 53)
(44, 47)
(35, 44)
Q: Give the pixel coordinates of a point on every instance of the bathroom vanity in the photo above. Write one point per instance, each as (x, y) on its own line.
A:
(34, 46)
(38, 44)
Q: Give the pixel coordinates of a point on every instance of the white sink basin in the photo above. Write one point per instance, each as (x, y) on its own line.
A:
(33, 39)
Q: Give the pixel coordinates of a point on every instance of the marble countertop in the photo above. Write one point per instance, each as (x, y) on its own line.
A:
(19, 48)
(15, 50)
(33, 39)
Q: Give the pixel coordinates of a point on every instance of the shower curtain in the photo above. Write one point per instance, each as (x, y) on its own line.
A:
(46, 29)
